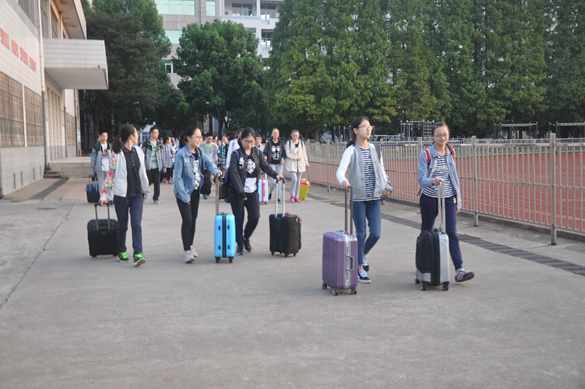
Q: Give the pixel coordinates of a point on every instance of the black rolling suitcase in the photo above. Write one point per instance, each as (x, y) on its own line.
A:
(285, 230)
(101, 235)
(92, 193)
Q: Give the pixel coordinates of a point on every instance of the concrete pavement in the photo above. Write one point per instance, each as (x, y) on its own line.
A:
(71, 321)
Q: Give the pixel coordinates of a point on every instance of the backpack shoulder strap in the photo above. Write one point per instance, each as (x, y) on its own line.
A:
(428, 156)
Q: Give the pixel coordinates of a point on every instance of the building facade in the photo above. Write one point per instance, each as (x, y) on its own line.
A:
(257, 16)
(45, 58)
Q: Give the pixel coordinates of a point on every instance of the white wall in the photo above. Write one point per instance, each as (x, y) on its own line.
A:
(21, 160)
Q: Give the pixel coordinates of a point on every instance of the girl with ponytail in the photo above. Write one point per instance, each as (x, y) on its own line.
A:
(127, 187)
(368, 179)
(191, 165)
(436, 166)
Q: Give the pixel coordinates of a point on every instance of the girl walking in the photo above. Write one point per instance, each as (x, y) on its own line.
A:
(126, 183)
(368, 179)
(296, 164)
(191, 165)
(436, 166)
(244, 172)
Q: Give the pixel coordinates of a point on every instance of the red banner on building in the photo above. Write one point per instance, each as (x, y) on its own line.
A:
(5, 39)
(15, 48)
(24, 56)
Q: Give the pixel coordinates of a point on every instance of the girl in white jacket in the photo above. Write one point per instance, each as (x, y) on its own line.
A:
(127, 186)
(296, 163)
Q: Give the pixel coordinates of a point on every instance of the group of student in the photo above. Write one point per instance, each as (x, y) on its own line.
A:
(127, 182)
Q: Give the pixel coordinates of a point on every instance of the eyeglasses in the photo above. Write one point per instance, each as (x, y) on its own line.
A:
(248, 142)
(441, 135)
(366, 128)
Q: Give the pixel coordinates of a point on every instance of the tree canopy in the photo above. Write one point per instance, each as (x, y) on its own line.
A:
(135, 44)
(220, 68)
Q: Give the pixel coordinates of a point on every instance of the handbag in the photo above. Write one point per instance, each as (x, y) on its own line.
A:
(206, 187)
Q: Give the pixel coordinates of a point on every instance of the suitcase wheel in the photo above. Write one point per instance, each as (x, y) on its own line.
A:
(416, 281)
(231, 259)
(273, 253)
(334, 292)
(114, 255)
(216, 260)
(94, 256)
(324, 286)
(286, 255)
(295, 254)
(353, 291)
(445, 287)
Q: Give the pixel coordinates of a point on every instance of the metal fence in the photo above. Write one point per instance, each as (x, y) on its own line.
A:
(538, 182)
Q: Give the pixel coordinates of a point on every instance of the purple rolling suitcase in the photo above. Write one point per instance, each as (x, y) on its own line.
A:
(340, 257)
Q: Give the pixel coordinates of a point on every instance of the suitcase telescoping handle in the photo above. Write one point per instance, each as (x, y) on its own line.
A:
(349, 191)
(97, 224)
(217, 183)
(441, 199)
(280, 189)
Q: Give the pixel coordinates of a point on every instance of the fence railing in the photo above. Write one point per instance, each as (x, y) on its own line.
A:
(537, 182)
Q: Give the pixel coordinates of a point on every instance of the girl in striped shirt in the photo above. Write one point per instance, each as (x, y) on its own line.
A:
(436, 166)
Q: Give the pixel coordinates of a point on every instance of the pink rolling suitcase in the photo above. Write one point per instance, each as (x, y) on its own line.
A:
(340, 257)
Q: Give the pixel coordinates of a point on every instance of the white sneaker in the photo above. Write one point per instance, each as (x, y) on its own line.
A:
(366, 264)
(189, 257)
(194, 252)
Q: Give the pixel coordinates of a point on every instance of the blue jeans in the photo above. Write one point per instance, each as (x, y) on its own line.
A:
(429, 208)
(295, 183)
(370, 211)
(133, 203)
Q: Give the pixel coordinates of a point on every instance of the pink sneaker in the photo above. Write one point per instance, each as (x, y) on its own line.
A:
(297, 200)
(292, 199)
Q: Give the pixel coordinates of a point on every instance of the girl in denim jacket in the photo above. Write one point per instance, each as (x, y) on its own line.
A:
(191, 163)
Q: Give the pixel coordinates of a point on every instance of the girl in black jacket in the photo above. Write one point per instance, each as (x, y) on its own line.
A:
(244, 171)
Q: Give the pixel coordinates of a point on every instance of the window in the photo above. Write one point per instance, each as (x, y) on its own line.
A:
(34, 118)
(54, 25)
(175, 7)
(173, 35)
(210, 8)
(11, 112)
(242, 9)
(266, 40)
(169, 67)
(269, 10)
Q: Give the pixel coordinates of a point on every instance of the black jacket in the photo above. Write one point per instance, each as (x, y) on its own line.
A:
(268, 152)
(237, 176)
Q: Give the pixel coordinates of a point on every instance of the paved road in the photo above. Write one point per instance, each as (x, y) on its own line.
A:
(70, 321)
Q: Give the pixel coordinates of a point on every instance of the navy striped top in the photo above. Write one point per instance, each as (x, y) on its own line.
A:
(441, 171)
(369, 172)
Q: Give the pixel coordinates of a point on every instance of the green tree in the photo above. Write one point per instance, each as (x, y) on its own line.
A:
(566, 64)
(219, 66)
(328, 63)
(135, 44)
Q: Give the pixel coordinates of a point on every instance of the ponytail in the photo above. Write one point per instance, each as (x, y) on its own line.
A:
(125, 131)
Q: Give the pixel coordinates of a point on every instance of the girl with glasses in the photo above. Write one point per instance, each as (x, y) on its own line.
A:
(368, 179)
(436, 166)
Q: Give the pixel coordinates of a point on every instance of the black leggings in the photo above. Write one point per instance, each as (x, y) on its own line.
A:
(189, 216)
(253, 208)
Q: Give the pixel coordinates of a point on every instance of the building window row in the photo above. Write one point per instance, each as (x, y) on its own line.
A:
(175, 7)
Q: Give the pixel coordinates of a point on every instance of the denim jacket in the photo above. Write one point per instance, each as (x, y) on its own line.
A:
(424, 169)
(184, 177)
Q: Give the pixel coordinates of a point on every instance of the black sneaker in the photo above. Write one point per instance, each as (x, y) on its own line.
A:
(464, 275)
(269, 196)
(363, 277)
(239, 250)
(366, 265)
(247, 245)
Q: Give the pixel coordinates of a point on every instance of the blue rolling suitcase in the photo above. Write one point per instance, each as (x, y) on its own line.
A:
(224, 236)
